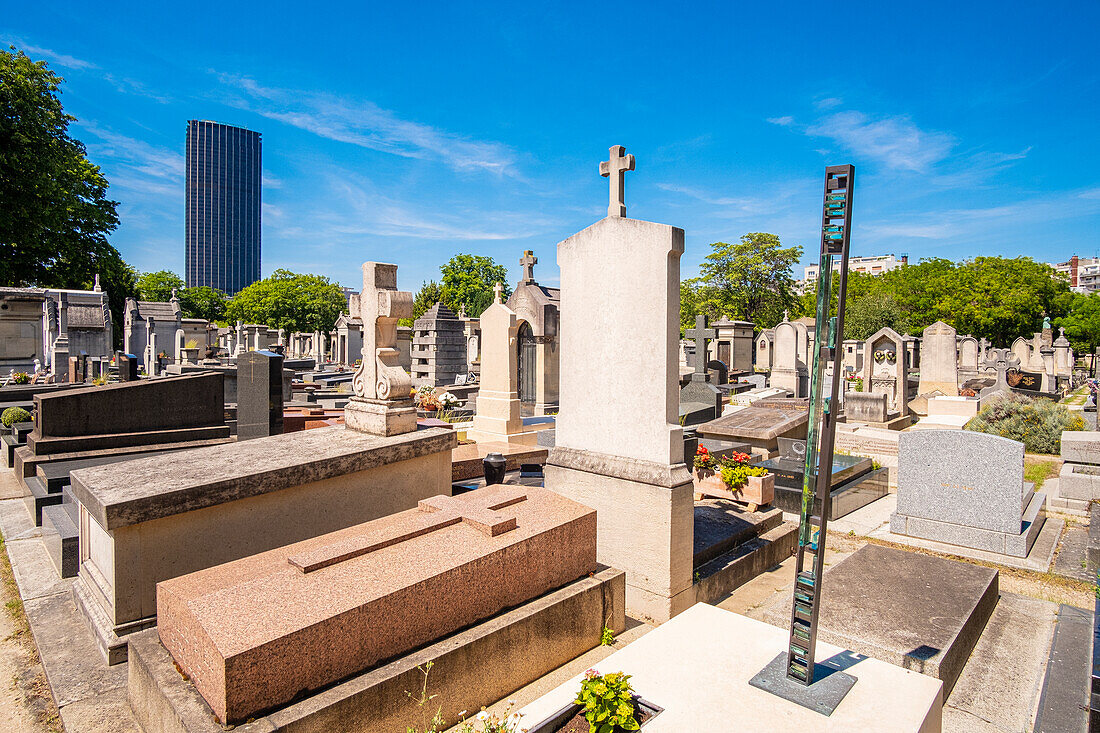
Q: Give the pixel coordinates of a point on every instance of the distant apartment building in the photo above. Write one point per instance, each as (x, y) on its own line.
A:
(223, 206)
(870, 265)
(1083, 273)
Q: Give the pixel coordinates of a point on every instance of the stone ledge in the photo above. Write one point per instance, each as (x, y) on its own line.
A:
(627, 469)
(141, 490)
(472, 668)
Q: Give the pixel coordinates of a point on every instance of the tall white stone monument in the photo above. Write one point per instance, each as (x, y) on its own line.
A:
(382, 404)
(498, 406)
(619, 447)
(939, 371)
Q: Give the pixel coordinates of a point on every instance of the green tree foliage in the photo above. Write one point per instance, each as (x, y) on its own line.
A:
(468, 282)
(750, 280)
(290, 301)
(204, 302)
(1082, 323)
(868, 314)
(54, 212)
(429, 294)
(157, 286)
(201, 302)
(996, 298)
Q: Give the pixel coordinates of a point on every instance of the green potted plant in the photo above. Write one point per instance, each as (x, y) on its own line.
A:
(606, 703)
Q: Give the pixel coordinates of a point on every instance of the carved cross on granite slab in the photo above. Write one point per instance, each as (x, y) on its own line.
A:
(614, 169)
(482, 514)
(1002, 360)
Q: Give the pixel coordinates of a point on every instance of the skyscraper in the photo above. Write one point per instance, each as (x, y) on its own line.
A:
(223, 206)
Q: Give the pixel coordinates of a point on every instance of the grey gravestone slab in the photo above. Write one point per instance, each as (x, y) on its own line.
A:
(916, 611)
(961, 477)
(259, 394)
(1081, 446)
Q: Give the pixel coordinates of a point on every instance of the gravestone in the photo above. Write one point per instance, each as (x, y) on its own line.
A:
(969, 357)
(619, 448)
(498, 406)
(258, 632)
(1001, 361)
(721, 373)
(885, 369)
(698, 391)
(966, 488)
(939, 370)
(868, 407)
(761, 424)
(788, 359)
(259, 394)
(855, 481)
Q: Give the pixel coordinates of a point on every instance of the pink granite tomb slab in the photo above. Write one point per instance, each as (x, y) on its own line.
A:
(256, 633)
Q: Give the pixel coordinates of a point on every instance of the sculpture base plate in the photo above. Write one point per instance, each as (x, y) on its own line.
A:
(828, 689)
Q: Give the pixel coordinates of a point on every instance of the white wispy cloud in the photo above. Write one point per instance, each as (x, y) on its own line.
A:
(128, 85)
(784, 121)
(61, 59)
(894, 141)
(363, 123)
(828, 102)
(134, 156)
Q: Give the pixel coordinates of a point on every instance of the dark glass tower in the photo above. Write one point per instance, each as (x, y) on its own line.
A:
(223, 206)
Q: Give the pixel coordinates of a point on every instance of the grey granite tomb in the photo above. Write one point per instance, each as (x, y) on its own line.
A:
(966, 489)
(259, 394)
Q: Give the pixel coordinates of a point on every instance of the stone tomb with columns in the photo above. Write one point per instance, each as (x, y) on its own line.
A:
(536, 307)
(498, 406)
(258, 635)
(152, 519)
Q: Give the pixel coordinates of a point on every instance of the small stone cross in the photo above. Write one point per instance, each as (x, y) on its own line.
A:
(479, 512)
(498, 293)
(615, 170)
(529, 261)
(1002, 360)
(700, 334)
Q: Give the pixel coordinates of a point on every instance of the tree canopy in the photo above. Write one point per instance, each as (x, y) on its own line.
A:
(750, 280)
(995, 298)
(54, 212)
(468, 282)
(289, 301)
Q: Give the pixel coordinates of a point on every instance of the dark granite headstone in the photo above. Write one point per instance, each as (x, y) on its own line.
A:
(720, 371)
(259, 394)
(127, 367)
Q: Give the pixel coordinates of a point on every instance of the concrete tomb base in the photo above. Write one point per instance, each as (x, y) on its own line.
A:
(644, 523)
(471, 669)
(919, 612)
(152, 519)
(698, 668)
(1007, 543)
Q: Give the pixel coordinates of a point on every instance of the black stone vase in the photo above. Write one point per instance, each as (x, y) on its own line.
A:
(494, 465)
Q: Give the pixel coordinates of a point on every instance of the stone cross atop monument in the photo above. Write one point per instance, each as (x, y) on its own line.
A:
(382, 404)
(615, 170)
(700, 334)
(528, 262)
(498, 293)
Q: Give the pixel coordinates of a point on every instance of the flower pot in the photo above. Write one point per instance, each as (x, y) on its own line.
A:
(759, 490)
(646, 710)
(709, 483)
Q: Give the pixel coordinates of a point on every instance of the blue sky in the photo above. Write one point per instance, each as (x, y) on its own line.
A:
(408, 134)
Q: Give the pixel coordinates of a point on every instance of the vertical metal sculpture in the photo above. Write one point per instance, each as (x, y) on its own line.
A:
(836, 220)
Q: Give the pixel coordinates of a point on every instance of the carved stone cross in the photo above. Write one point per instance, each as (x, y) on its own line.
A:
(529, 261)
(1002, 360)
(700, 334)
(615, 170)
(482, 514)
(380, 375)
(498, 293)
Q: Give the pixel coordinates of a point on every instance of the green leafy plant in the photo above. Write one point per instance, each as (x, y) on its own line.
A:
(436, 723)
(734, 477)
(1038, 424)
(191, 344)
(21, 378)
(608, 702)
(607, 637)
(13, 415)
